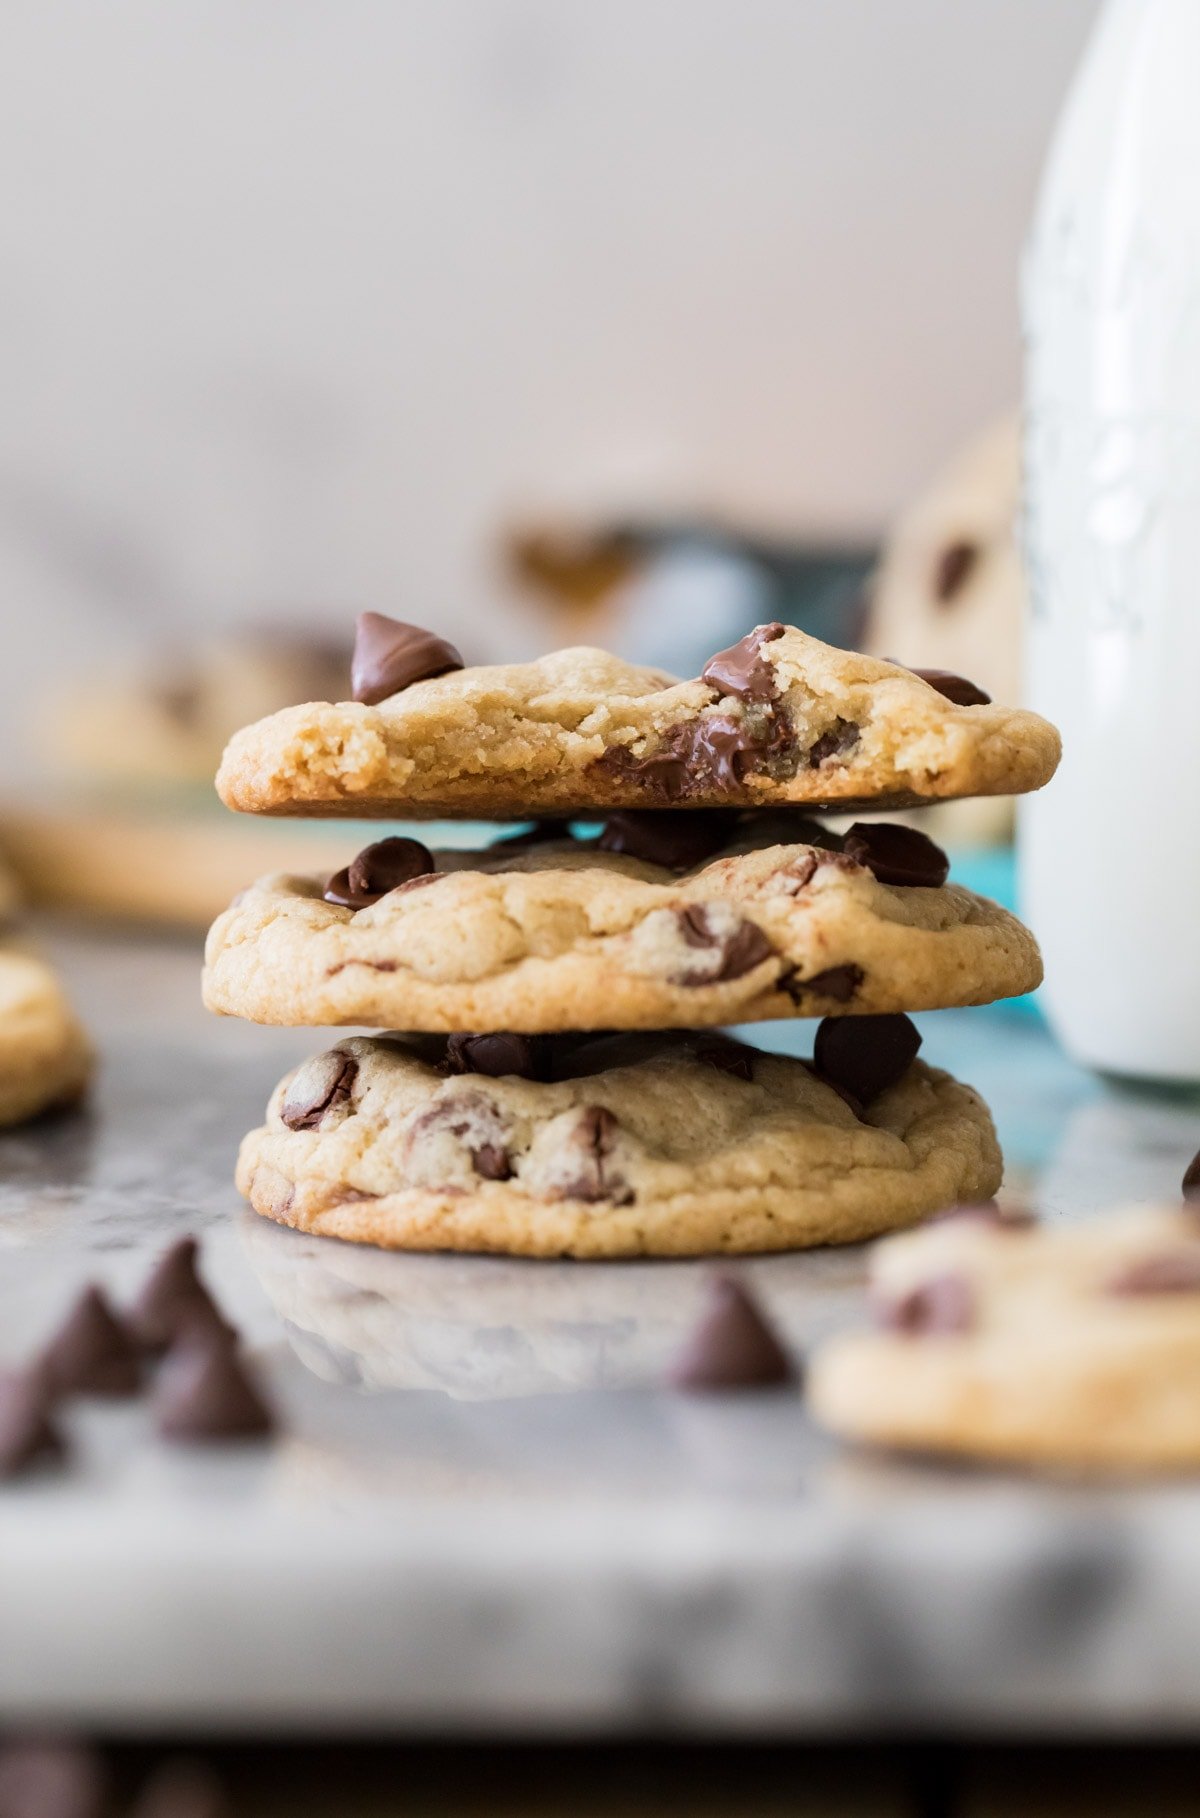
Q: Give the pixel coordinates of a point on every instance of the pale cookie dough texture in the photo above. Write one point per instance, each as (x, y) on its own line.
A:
(636, 1145)
(1074, 1348)
(45, 1059)
(563, 936)
(581, 730)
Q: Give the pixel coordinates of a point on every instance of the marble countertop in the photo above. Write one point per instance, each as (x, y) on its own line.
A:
(484, 1515)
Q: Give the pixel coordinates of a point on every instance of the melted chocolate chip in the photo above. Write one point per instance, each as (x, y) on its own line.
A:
(496, 1055)
(675, 841)
(390, 655)
(865, 1054)
(839, 983)
(173, 1299)
(943, 1304)
(738, 944)
(956, 688)
(897, 855)
(952, 569)
(733, 1346)
(1169, 1272)
(91, 1353)
(378, 868)
(841, 737)
(205, 1392)
(726, 1055)
(1191, 1178)
(593, 1175)
(742, 669)
(543, 831)
(322, 1085)
(715, 751)
(27, 1433)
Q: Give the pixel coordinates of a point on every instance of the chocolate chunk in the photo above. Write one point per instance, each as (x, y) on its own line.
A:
(182, 1789)
(943, 1304)
(675, 841)
(737, 945)
(733, 1346)
(173, 1298)
(715, 751)
(897, 855)
(547, 829)
(322, 1086)
(383, 866)
(865, 1054)
(742, 669)
(491, 1162)
(52, 1780)
(91, 1353)
(28, 1436)
(956, 688)
(1191, 1178)
(593, 1176)
(206, 1392)
(390, 655)
(839, 983)
(840, 738)
(496, 1055)
(726, 1055)
(1169, 1272)
(953, 566)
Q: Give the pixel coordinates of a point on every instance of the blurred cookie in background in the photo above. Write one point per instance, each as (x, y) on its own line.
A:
(45, 1058)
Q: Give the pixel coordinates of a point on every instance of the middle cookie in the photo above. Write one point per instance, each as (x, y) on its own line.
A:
(546, 934)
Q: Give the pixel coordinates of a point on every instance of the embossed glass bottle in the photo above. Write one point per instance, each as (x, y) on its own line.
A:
(1110, 852)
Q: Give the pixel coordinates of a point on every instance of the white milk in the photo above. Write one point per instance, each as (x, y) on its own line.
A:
(1110, 851)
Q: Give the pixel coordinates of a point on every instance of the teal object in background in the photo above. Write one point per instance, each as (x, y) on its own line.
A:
(992, 871)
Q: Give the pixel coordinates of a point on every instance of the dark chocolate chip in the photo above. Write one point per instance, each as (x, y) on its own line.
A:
(956, 688)
(865, 1054)
(1191, 1178)
(496, 1055)
(715, 751)
(91, 1353)
(28, 1435)
(539, 834)
(953, 566)
(182, 1789)
(378, 868)
(733, 1346)
(838, 983)
(675, 841)
(1169, 1272)
(390, 655)
(740, 947)
(840, 738)
(726, 1055)
(173, 1298)
(206, 1392)
(322, 1085)
(742, 669)
(52, 1780)
(491, 1162)
(592, 1142)
(943, 1304)
(897, 855)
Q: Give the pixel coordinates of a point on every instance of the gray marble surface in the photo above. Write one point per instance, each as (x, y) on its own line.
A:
(484, 1515)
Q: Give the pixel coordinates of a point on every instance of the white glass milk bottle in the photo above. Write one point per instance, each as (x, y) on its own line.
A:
(1110, 851)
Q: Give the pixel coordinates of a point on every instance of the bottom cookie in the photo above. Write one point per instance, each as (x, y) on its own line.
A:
(1076, 1349)
(45, 1059)
(678, 1144)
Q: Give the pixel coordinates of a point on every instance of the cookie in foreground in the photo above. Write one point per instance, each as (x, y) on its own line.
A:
(997, 1340)
(778, 718)
(634, 1145)
(45, 1058)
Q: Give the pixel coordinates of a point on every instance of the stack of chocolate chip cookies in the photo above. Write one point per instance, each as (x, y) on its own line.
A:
(561, 1086)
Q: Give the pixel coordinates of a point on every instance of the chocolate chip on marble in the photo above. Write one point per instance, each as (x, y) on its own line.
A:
(46, 1779)
(839, 739)
(496, 1055)
(92, 1353)
(321, 1087)
(944, 1304)
(379, 868)
(182, 1789)
(206, 1392)
(676, 841)
(592, 1175)
(1167, 1272)
(897, 855)
(390, 655)
(956, 688)
(172, 1299)
(954, 565)
(726, 1055)
(837, 983)
(736, 946)
(1191, 1178)
(865, 1054)
(742, 670)
(733, 1346)
(28, 1435)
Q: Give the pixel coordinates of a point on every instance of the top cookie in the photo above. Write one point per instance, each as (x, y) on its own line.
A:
(778, 718)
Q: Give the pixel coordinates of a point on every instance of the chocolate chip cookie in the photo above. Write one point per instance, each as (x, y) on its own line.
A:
(778, 718)
(1075, 1348)
(664, 920)
(593, 1146)
(45, 1059)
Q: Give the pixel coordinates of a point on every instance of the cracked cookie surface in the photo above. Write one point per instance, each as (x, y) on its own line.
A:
(45, 1059)
(1076, 1348)
(683, 1144)
(781, 719)
(562, 935)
